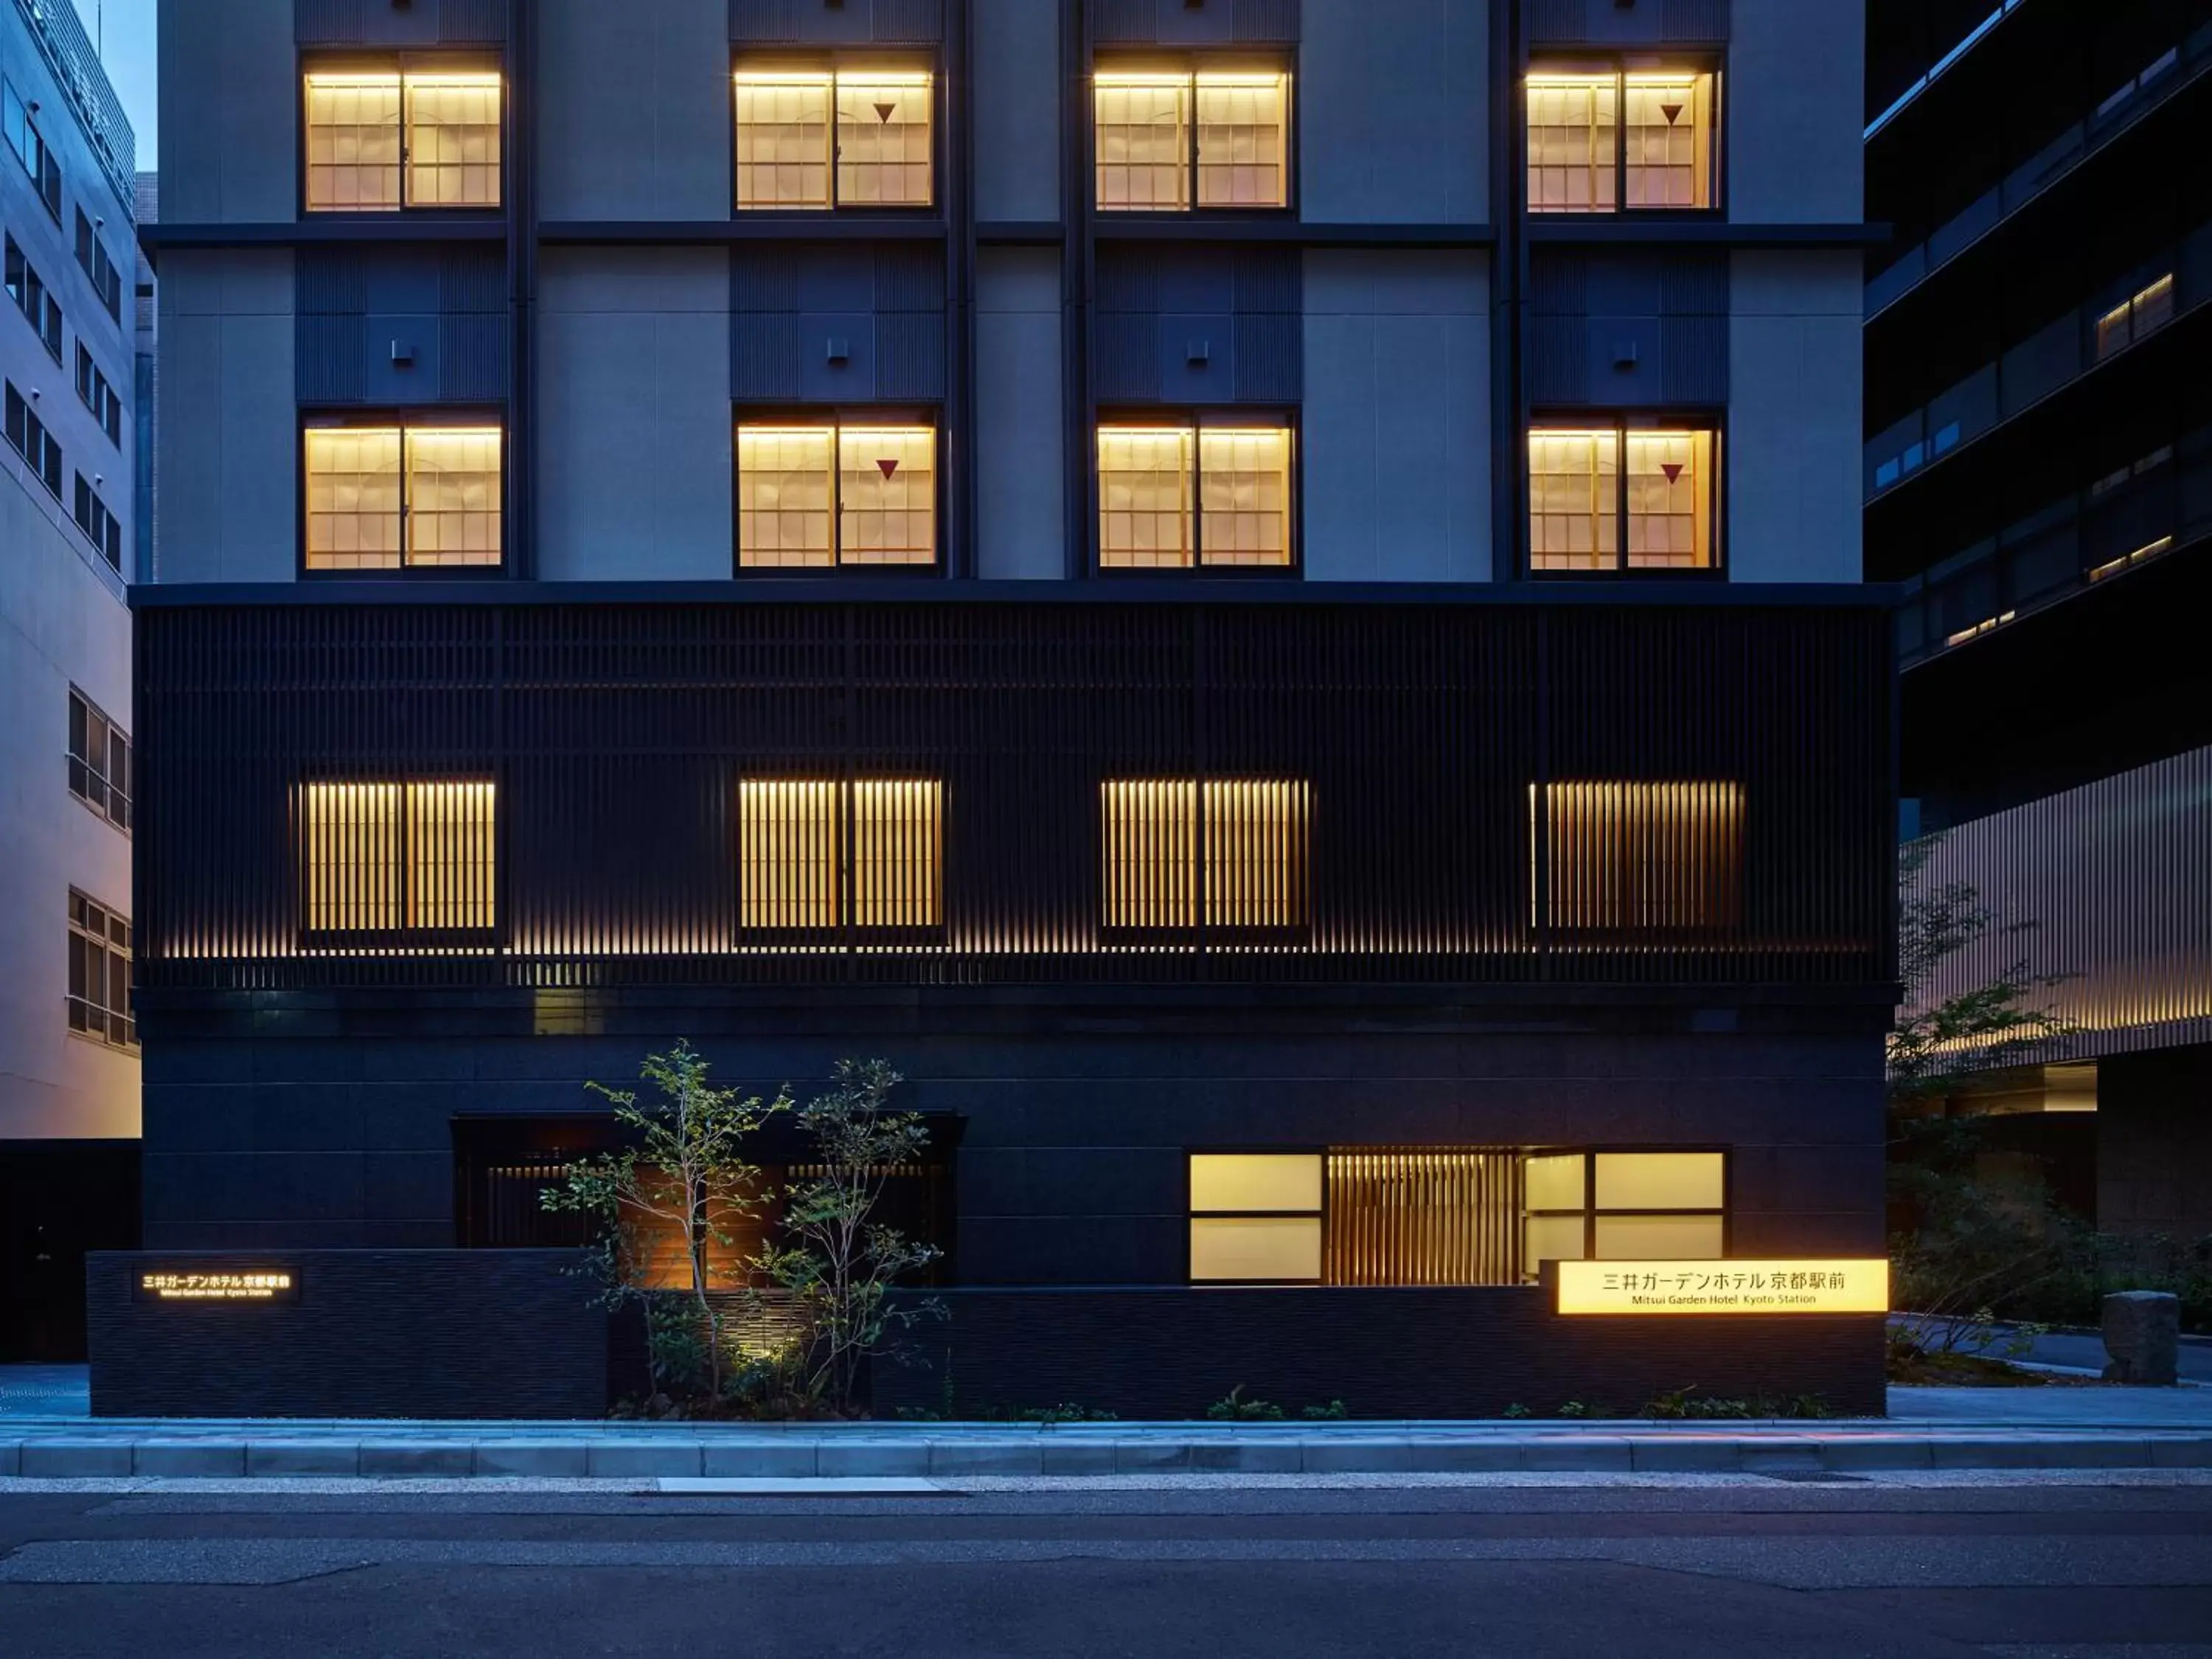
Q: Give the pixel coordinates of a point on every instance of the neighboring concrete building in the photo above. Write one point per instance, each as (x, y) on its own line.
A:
(1282, 638)
(2040, 474)
(69, 1056)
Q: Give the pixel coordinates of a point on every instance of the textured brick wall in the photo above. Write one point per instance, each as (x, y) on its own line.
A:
(374, 1333)
(1165, 1353)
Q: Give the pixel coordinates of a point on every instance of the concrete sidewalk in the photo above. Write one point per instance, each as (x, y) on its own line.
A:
(1932, 1429)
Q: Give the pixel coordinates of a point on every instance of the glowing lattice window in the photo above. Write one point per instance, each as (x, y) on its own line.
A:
(453, 140)
(1254, 869)
(829, 138)
(1175, 498)
(381, 497)
(378, 141)
(1572, 142)
(1602, 141)
(353, 143)
(1164, 141)
(817, 855)
(1608, 498)
(817, 497)
(884, 140)
(393, 859)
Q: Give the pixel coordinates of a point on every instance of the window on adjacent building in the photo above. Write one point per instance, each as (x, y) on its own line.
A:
(99, 395)
(27, 432)
(1254, 874)
(23, 137)
(384, 497)
(100, 972)
(827, 138)
(1607, 140)
(1255, 1218)
(1215, 138)
(819, 856)
(1623, 1206)
(816, 497)
(1636, 864)
(378, 141)
(91, 254)
(1183, 498)
(2149, 308)
(99, 524)
(1610, 498)
(99, 760)
(388, 861)
(34, 299)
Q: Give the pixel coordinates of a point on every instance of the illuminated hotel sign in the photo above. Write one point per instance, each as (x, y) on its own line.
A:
(1724, 1287)
(258, 1285)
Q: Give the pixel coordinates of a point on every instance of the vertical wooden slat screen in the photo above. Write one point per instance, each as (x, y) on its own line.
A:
(1400, 1216)
(789, 844)
(1362, 772)
(1653, 862)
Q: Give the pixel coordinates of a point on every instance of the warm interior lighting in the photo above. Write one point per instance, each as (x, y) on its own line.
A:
(1574, 499)
(1270, 1229)
(815, 497)
(1422, 1215)
(1660, 1181)
(818, 139)
(1244, 496)
(1630, 859)
(390, 857)
(1577, 495)
(1602, 141)
(379, 497)
(1144, 479)
(1668, 139)
(1243, 126)
(1571, 141)
(1256, 1181)
(784, 121)
(451, 124)
(1987, 625)
(2147, 308)
(1623, 1206)
(793, 856)
(1150, 478)
(453, 496)
(2113, 567)
(353, 141)
(1165, 139)
(453, 140)
(1670, 521)
(353, 498)
(1255, 870)
(1142, 137)
(883, 147)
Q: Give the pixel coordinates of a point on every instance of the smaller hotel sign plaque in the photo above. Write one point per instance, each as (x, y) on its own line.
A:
(251, 1284)
(1724, 1287)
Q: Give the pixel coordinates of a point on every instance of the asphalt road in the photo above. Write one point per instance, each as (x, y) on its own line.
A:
(1757, 1567)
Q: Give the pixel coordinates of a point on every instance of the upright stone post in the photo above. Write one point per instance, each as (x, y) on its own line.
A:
(2142, 1335)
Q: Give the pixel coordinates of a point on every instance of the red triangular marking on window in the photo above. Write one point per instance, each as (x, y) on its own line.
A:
(1672, 469)
(884, 111)
(887, 467)
(1670, 111)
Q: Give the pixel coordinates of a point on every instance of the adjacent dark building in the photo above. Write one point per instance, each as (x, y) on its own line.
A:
(1262, 596)
(2039, 477)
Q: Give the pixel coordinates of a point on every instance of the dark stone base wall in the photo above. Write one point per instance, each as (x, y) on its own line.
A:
(462, 1333)
(2154, 1143)
(1472, 1352)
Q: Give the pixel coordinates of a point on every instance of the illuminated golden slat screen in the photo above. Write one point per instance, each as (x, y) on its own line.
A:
(1144, 497)
(1643, 857)
(453, 496)
(1571, 143)
(1668, 140)
(453, 140)
(353, 498)
(1423, 1217)
(784, 138)
(792, 853)
(1243, 129)
(1256, 852)
(883, 139)
(1143, 141)
(1244, 496)
(1670, 500)
(1574, 499)
(353, 143)
(384, 858)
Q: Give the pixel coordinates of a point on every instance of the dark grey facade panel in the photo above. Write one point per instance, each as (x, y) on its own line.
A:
(1270, 360)
(833, 324)
(1693, 360)
(389, 23)
(472, 357)
(1627, 22)
(1193, 22)
(764, 356)
(1557, 360)
(849, 22)
(910, 278)
(1197, 325)
(400, 326)
(1260, 21)
(1126, 357)
(910, 356)
(1626, 331)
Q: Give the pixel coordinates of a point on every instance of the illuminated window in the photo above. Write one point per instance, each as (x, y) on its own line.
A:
(1177, 498)
(99, 762)
(1426, 1215)
(379, 498)
(1609, 498)
(1255, 1218)
(824, 138)
(381, 140)
(1255, 874)
(817, 855)
(99, 995)
(391, 860)
(1602, 141)
(453, 140)
(1637, 863)
(1218, 139)
(1623, 1206)
(2151, 307)
(819, 496)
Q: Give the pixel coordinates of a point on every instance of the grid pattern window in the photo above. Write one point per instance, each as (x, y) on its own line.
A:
(92, 255)
(1623, 1207)
(818, 139)
(99, 525)
(816, 497)
(30, 147)
(1179, 498)
(99, 762)
(381, 140)
(99, 974)
(99, 395)
(1255, 873)
(1611, 140)
(2151, 307)
(1609, 499)
(1255, 1218)
(1629, 863)
(1165, 141)
(34, 299)
(384, 498)
(27, 435)
(388, 861)
(817, 856)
